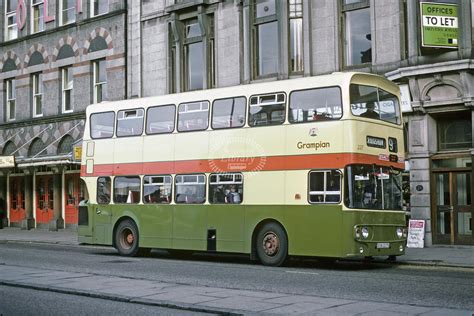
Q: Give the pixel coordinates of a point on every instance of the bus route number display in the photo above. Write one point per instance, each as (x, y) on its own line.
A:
(439, 25)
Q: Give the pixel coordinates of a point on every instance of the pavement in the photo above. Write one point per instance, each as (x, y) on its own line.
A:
(214, 299)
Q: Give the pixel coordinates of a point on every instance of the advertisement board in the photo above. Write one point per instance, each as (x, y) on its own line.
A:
(416, 233)
(439, 25)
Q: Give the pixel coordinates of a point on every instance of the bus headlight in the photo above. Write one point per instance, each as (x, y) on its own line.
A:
(365, 232)
(399, 232)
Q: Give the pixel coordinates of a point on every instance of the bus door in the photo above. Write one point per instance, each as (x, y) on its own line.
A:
(44, 199)
(72, 193)
(17, 199)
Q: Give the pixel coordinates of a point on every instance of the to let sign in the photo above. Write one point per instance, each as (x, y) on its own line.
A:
(439, 25)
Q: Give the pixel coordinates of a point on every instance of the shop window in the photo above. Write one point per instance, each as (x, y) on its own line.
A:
(267, 109)
(130, 122)
(228, 113)
(324, 186)
(100, 81)
(37, 94)
(315, 105)
(102, 125)
(37, 16)
(103, 190)
(160, 119)
(11, 27)
(226, 188)
(265, 38)
(190, 189)
(357, 32)
(157, 189)
(193, 116)
(67, 11)
(295, 10)
(67, 85)
(127, 190)
(455, 132)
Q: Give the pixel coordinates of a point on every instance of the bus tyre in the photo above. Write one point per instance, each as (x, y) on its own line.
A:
(272, 245)
(126, 238)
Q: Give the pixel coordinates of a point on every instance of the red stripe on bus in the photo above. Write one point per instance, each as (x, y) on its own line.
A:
(246, 164)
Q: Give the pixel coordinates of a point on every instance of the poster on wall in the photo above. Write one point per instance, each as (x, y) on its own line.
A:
(416, 233)
(439, 25)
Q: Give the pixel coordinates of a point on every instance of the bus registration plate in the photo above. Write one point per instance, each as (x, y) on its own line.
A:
(383, 245)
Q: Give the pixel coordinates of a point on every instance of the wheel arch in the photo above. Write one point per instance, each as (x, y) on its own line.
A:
(253, 249)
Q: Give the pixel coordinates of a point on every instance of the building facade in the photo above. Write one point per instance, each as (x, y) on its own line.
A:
(145, 48)
(183, 45)
(56, 57)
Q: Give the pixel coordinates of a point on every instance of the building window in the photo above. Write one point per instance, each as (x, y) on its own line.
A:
(37, 94)
(324, 186)
(103, 190)
(11, 28)
(127, 190)
(67, 85)
(100, 81)
(455, 131)
(37, 16)
(193, 56)
(265, 38)
(67, 9)
(357, 32)
(99, 7)
(11, 99)
(295, 9)
(226, 188)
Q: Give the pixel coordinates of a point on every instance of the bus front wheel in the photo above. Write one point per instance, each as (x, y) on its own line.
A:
(272, 245)
(126, 238)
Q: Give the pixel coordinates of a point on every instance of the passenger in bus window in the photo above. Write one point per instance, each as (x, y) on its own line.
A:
(369, 198)
(370, 112)
(233, 196)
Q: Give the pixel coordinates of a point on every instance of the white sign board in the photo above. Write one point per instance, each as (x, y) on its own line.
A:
(7, 161)
(405, 98)
(416, 233)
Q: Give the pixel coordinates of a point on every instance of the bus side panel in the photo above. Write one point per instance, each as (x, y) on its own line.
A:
(228, 222)
(190, 226)
(128, 150)
(103, 227)
(155, 225)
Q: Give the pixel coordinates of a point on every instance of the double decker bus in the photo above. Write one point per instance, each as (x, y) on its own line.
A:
(302, 167)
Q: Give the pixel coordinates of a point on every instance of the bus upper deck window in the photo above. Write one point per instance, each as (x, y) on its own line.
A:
(374, 103)
(102, 125)
(228, 113)
(315, 105)
(130, 122)
(160, 119)
(193, 116)
(267, 109)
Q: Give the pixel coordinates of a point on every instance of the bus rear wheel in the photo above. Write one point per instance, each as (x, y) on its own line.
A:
(126, 238)
(272, 245)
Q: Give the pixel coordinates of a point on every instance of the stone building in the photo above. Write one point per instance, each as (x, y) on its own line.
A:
(56, 57)
(182, 45)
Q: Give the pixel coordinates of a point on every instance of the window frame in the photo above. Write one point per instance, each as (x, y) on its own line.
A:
(39, 7)
(65, 73)
(234, 182)
(147, 132)
(352, 7)
(324, 192)
(285, 103)
(37, 89)
(170, 187)
(13, 26)
(221, 99)
(298, 15)
(118, 119)
(184, 183)
(99, 84)
(62, 10)
(10, 99)
(113, 127)
(92, 9)
(314, 121)
(191, 102)
(114, 195)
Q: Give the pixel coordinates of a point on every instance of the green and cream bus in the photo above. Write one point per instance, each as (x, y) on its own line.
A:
(301, 167)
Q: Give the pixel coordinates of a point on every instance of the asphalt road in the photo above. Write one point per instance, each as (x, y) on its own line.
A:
(377, 282)
(22, 301)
